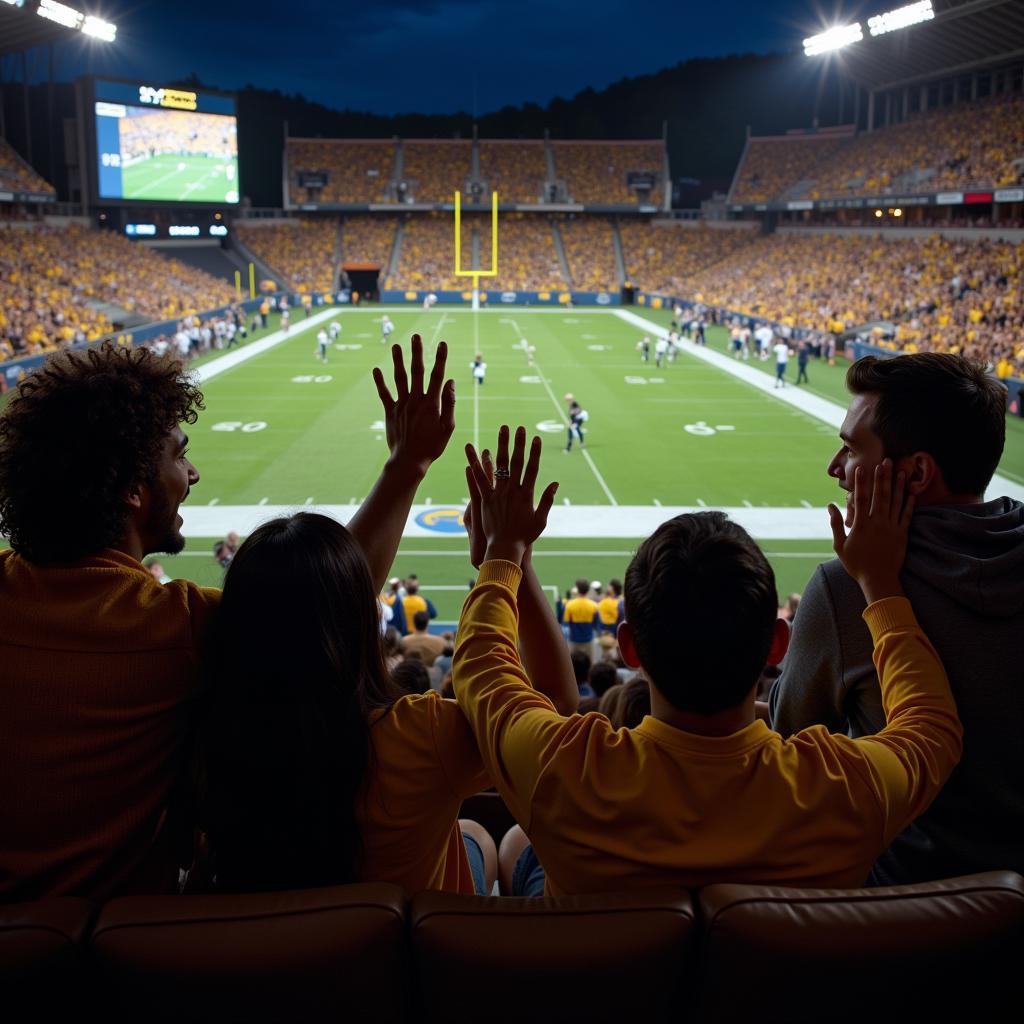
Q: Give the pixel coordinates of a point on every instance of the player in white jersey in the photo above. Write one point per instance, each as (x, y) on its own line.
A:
(386, 327)
(781, 358)
(479, 368)
(763, 335)
(285, 319)
(321, 345)
(429, 300)
(644, 348)
(660, 351)
(334, 330)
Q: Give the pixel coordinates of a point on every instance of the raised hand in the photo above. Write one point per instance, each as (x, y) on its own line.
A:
(418, 422)
(471, 517)
(504, 511)
(878, 517)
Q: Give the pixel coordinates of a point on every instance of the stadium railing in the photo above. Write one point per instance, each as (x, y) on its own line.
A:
(365, 951)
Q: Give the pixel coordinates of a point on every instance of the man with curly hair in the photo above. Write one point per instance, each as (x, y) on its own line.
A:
(100, 661)
(99, 658)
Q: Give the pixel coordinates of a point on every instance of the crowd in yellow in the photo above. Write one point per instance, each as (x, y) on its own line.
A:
(590, 253)
(595, 172)
(515, 170)
(772, 165)
(48, 275)
(368, 239)
(357, 171)
(17, 176)
(301, 250)
(437, 168)
(156, 132)
(937, 294)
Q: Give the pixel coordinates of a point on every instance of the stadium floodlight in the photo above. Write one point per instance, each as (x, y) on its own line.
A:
(15, 3)
(833, 39)
(60, 13)
(99, 29)
(902, 17)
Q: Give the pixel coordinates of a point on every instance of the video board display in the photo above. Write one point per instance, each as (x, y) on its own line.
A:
(159, 144)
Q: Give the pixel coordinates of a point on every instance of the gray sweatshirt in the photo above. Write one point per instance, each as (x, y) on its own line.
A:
(964, 575)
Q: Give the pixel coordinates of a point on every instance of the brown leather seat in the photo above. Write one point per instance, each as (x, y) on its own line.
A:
(335, 954)
(614, 957)
(42, 957)
(931, 951)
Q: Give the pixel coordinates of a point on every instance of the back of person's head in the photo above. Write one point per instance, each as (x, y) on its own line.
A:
(701, 607)
(78, 436)
(608, 704)
(392, 642)
(580, 666)
(633, 705)
(603, 676)
(294, 667)
(582, 587)
(587, 704)
(420, 621)
(941, 404)
(411, 676)
(412, 585)
(615, 586)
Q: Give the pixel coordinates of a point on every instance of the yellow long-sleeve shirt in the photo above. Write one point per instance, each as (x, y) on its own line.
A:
(620, 809)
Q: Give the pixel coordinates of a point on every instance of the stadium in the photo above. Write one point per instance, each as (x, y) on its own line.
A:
(690, 310)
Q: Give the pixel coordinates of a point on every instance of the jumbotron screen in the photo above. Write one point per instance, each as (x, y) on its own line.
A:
(165, 145)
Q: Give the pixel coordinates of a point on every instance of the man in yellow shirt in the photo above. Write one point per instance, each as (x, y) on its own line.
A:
(582, 617)
(701, 791)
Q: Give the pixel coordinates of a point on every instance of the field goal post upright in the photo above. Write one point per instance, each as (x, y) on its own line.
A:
(476, 274)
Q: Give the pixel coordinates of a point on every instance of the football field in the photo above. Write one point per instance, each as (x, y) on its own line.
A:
(172, 178)
(282, 431)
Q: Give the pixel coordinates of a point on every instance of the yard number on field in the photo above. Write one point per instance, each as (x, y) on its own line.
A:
(245, 428)
(701, 429)
(308, 378)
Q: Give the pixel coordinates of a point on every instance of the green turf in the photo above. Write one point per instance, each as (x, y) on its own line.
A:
(195, 179)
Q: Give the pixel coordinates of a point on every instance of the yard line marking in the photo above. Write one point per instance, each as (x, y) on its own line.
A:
(437, 331)
(213, 501)
(658, 503)
(308, 501)
(427, 501)
(262, 501)
(747, 504)
(806, 504)
(565, 501)
(702, 503)
(476, 386)
(813, 406)
(597, 553)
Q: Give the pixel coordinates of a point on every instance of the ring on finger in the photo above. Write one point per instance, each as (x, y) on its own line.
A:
(502, 472)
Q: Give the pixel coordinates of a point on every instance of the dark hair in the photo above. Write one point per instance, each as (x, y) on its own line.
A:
(941, 404)
(616, 587)
(580, 666)
(602, 678)
(412, 584)
(294, 668)
(411, 676)
(83, 430)
(583, 587)
(633, 704)
(586, 705)
(421, 620)
(700, 584)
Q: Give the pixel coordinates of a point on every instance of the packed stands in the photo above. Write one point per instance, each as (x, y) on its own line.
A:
(527, 260)
(939, 294)
(967, 145)
(662, 258)
(427, 259)
(358, 171)
(18, 176)
(438, 168)
(301, 251)
(595, 172)
(369, 240)
(48, 274)
(515, 170)
(773, 165)
(590, 252)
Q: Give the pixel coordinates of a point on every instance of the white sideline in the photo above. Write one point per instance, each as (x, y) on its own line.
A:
(820, 408)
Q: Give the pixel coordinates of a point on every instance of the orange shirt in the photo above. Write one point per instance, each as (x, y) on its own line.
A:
(611, 809)
(98, 664)
(425, 764)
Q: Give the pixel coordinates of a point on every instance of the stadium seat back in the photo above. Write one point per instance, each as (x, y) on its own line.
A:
(614, 957)
(944, 948)
(42, 957)
(336, 954)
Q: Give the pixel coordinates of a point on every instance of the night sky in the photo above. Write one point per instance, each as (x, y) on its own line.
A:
(431, 56)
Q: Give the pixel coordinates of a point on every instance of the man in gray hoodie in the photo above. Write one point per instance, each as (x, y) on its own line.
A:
(941, 420)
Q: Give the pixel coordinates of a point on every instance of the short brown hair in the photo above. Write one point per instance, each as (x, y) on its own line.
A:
(941, 404)
(701, 603)
(82, 431)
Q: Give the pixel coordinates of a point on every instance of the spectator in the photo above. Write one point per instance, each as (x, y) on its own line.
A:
(156, 570)
(603, 676)
(610, 607)
(581, 616)
(411, 676)
(700, 790)
(941, 420)
(633, 705)
(393, 655)
(420, 644)
(581, 671)
(413, 601)
(788, 610)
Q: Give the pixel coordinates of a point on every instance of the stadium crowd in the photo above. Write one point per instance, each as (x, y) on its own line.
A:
(590, 252)
(596, 172)
(48, 276)
(18, 176)
(929, 294)
(148, 133)
(515, 170)
(357, 171)
(527, 259)
(366, 239)
(427, 257)
(437, 168)
(770, 166)
(663, 257)
(301, 251)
